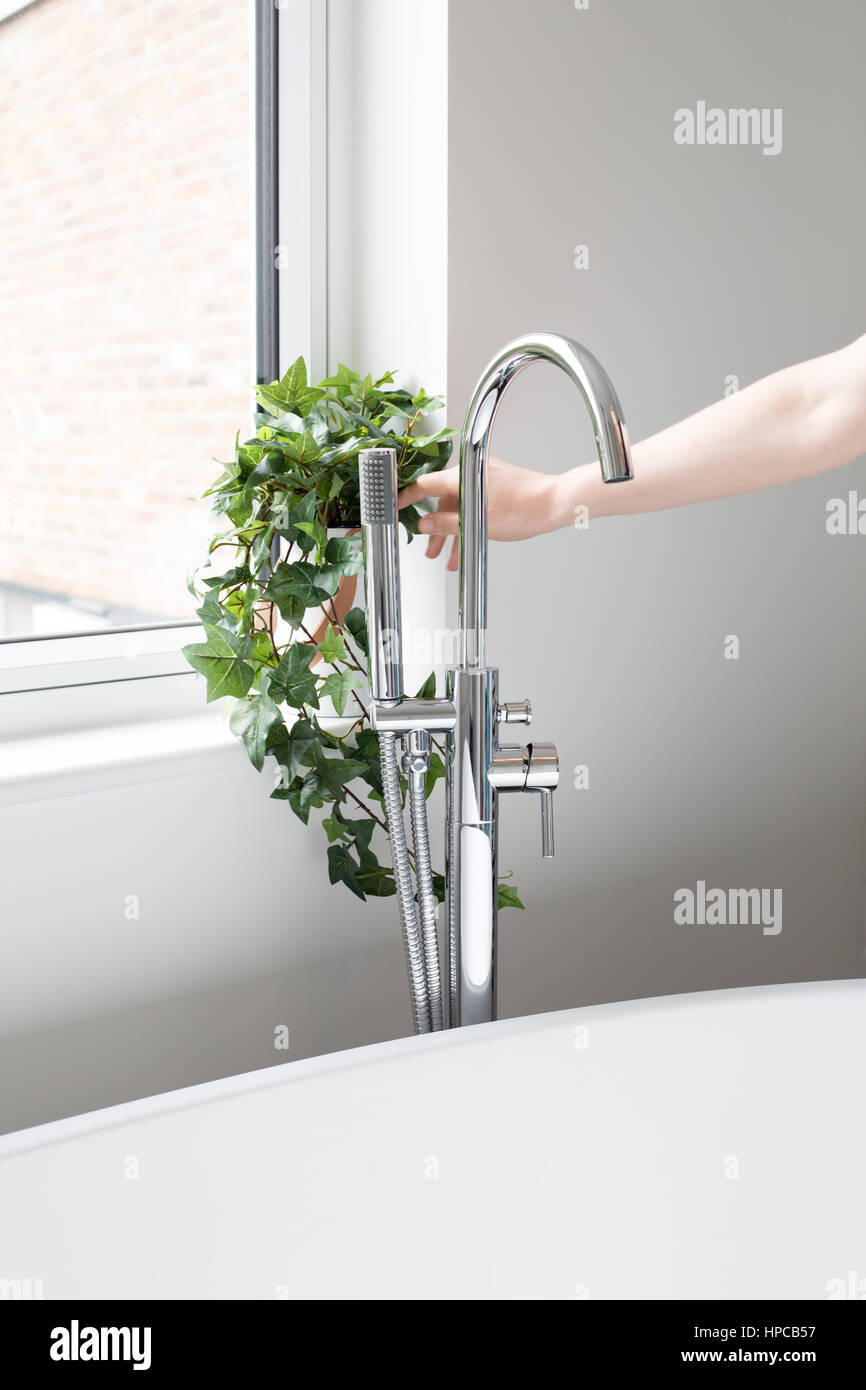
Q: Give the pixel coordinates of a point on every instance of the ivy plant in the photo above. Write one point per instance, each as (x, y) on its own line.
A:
(279, 500)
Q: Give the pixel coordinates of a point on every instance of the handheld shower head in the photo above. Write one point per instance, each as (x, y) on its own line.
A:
(377, 475)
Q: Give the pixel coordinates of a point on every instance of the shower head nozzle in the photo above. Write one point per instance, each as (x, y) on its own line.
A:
(377, 475)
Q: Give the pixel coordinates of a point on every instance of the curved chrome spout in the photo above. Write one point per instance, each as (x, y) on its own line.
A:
(611, 439)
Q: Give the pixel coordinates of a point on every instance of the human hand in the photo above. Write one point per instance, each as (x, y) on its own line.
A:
(520, 504)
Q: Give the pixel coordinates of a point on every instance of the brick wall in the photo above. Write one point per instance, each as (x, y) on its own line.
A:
(124, 290)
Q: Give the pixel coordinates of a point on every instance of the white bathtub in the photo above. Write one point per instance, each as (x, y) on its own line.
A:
(698, 1146)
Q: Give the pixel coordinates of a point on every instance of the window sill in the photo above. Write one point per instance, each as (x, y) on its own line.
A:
(87, 760)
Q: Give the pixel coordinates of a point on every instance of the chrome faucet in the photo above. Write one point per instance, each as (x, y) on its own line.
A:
(479, 767)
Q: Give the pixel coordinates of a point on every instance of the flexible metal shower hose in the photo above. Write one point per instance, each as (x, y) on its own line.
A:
(405, 887)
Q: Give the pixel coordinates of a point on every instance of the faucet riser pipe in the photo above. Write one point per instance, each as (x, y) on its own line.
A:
(471, 870)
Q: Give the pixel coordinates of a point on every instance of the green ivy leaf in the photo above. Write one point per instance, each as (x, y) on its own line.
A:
(342, 868)
(427, 405)
(292, 608)
(300, 448)
(214, 614)
(241, 574)
(293, 796)
(409, 518)
(281, 397)
(263, 650)
(343, 381)
(314, 789)
(252, 720)
(294, 589)
(240, 603)
(295, 745)
(428, 689)
(507, 896)
(332, 646)
(343, 555)
(348, 449)
(336, 772)
(423, 443)
(222, 660)
(435, 772)
(292, 682)
(339, 686)
(271, 465)
(375, 880)
(355, 624)
(315, 530)
(295, 379)
(274, 398)
(334, 830)
(328, 414)
(361, 831)
(287, 422)
(261, 551)
(328, 577)
(239, 509)
(290, 520)
(366, 749)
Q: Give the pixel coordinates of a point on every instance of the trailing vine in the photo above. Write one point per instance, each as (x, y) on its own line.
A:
(279, 639)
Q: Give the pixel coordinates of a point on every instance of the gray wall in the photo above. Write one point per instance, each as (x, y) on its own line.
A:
(704, 262)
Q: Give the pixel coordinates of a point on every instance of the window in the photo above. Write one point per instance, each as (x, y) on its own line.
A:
(125, 285)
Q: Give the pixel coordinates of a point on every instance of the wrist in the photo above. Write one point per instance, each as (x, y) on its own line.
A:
(577, 496)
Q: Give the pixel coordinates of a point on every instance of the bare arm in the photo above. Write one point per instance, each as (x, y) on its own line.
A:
(807, 419)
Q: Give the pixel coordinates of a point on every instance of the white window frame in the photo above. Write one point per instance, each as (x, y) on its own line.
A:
(288, 39)
(88, 658)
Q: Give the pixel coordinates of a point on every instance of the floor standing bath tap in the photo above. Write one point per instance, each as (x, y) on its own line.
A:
(480, 767)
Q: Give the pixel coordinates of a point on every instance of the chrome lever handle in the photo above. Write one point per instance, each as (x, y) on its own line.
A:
(542, 776)
(534, 768)
(547, 842)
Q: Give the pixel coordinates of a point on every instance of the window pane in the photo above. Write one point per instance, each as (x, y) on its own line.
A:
(125, 284)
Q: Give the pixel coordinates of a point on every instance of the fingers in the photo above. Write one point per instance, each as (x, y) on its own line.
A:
(445, 485)
(435, 546)
(443, 522)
